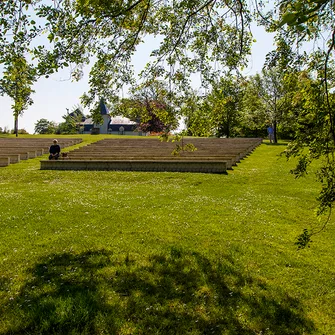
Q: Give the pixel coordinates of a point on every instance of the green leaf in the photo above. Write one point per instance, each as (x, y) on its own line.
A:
(51, 37)
(288, 18)
(300, 28)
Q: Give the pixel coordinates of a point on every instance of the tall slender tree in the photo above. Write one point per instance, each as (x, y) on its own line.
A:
(17, 30)
(18, 78)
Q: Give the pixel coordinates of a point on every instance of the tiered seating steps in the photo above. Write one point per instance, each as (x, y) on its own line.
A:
(212, 155)
(13, 150)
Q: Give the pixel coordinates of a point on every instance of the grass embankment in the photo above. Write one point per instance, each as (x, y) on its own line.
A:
(163, 253)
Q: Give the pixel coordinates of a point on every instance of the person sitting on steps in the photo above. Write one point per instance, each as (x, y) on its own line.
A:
(54, 150)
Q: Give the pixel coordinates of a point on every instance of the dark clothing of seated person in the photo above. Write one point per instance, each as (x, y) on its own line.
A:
(54, 150)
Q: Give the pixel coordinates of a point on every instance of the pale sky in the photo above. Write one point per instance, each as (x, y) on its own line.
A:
(57, 93)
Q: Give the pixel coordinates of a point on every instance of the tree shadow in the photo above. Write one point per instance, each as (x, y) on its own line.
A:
(177, 292)
(276, 144)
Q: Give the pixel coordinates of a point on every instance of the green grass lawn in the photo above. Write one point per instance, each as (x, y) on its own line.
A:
(86, 252)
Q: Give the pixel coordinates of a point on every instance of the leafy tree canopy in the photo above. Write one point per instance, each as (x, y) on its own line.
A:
(43, 126)
(152, 104)
(193, 36)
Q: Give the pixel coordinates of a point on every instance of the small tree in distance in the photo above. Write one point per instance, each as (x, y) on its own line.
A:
(43, 126)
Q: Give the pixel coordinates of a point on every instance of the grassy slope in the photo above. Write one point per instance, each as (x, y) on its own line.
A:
(163, 253)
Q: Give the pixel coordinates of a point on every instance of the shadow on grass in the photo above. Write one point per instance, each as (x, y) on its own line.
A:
(279, 144)
(174, 293)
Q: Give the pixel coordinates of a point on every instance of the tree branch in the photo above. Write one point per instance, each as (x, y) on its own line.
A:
(242, 29)
(136, 35)
(130, 8)
(331, 118)
(187, 20)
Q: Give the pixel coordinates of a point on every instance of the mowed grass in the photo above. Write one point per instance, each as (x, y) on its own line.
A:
(86, 252)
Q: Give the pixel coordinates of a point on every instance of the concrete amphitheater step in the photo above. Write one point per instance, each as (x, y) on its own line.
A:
(211, 156)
